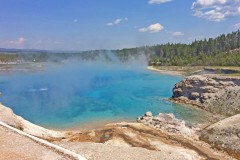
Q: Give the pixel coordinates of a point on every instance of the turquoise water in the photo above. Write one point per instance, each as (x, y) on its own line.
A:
(76, 95)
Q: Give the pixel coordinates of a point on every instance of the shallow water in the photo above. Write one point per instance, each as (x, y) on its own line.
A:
(76, 95)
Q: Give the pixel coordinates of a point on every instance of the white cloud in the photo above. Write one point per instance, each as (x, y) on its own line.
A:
(208, 3)
(57, 42)
(236, 26)
(117, 21)
(177, 34)
(75, 20)
(154, 28)
(158, 1)
(216, 10)
(19, 41)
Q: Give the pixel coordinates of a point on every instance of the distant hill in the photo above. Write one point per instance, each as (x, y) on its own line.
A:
(223, 50)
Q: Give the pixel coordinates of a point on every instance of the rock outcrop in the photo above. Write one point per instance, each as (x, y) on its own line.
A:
(224, 135)
(214, 93)
(169, 146)
(167, 123)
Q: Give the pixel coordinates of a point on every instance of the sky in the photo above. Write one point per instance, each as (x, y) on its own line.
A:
(112, 24)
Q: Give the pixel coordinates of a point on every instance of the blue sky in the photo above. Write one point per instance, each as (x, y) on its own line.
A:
(112, 24)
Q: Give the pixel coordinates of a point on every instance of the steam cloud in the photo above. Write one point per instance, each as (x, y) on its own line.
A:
(49, 91)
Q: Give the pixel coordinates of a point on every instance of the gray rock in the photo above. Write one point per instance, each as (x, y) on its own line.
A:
(212, 83)
(148, 114)
(217, 94)
(168, 123)
(189, 86)
(227, 83)
(224, 135)
(195, 94)
(207, 88)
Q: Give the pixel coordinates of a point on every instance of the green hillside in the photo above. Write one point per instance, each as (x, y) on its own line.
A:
(223, 50)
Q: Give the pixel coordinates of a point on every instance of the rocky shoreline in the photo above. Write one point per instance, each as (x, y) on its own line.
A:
(169, 139)
(214, 93)
(219, 95)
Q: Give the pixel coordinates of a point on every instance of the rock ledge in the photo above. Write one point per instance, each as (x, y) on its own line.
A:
(167, 123)
(213, 93)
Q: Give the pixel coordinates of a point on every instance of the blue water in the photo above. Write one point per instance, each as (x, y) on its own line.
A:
(76, 95)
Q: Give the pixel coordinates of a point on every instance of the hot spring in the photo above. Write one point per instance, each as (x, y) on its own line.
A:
(81, 94)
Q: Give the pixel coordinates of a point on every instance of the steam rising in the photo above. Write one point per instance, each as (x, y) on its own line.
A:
(78, 92)
(51, 90)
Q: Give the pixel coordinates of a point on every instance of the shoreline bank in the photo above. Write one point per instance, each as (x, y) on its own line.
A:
(121, 135)
(168, 72)
(219, 95)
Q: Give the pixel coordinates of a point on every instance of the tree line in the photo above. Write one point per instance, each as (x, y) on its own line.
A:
(223, 50)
